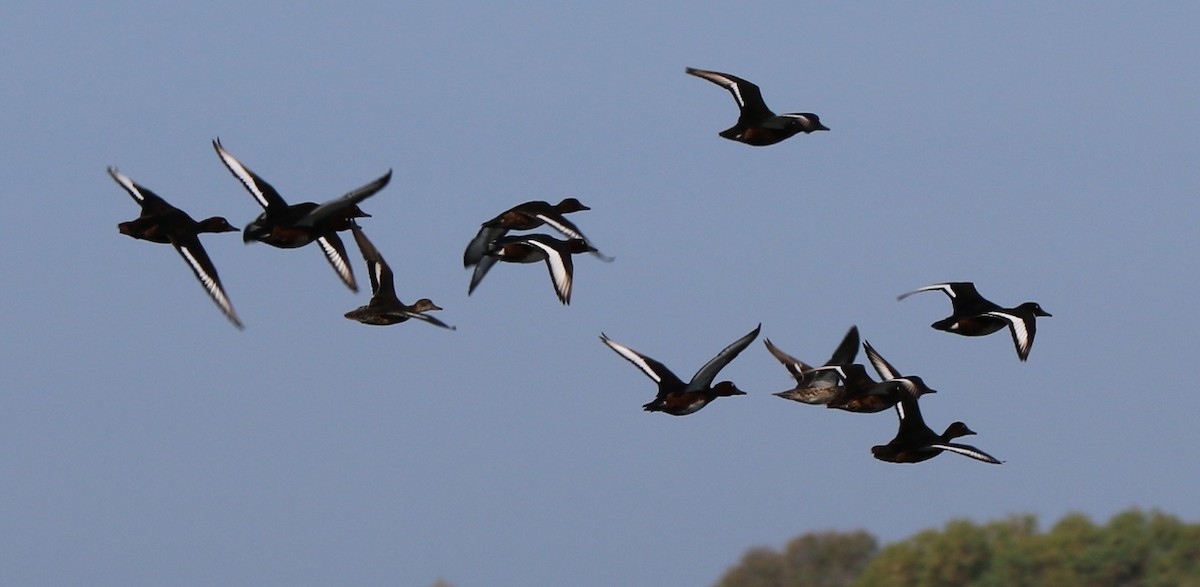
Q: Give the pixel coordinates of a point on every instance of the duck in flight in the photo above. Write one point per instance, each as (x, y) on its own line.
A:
(757, 125)
(815, 386)
(291, 226)
(915, 441)
(385, 308)
(676, 397)
(865, 395)
(527, 216)
(974, 315)
(532, 248)
(161, 222)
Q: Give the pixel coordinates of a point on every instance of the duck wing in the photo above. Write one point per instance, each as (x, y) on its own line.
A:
(335, 252)
(967, 450)
(477, 248)
(795, 366)
(485, 264)
(845, 353)
(151, 203)
(653, 369)
(885, 369)
(332, 207)
(704, 377)
(964, 298)
(558, 262)
(747, 95)
(263, 193)
(382, 281)
(1021, 327)
(197, 259)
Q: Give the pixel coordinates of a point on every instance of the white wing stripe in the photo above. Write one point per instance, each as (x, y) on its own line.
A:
(966, 450)
(886, 371)
(243, 175)
(378, 271)
(559, 273)
(210, 284)
(943, 287)
(737, 95)
(126, 183)
(633, 357)
(1020, 330)
(559, 226)
(339, 264)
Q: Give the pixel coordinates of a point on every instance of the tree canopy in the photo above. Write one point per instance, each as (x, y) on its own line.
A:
(1135, 549)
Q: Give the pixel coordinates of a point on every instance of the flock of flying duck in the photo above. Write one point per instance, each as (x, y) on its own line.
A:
(840, 383)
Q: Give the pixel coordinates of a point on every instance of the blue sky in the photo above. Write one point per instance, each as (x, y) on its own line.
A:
(1046, 153)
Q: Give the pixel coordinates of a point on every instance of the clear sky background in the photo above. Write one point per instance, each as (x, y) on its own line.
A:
(1047, 153)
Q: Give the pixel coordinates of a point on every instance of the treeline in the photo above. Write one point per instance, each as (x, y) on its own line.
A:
(1135, 549)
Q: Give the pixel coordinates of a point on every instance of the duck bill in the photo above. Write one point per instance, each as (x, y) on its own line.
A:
(356, 212)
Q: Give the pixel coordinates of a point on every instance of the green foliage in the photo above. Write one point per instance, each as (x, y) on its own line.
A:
(824, 559)
(1135, 549)
(993, 555)
(760, 567)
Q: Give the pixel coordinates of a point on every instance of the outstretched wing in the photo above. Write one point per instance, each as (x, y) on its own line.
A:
(150, 202)
(560, 266)
(477, 248)
(381, 274)
(485, 264)
(795, 366)
(1022, 329)
(197, 259)
(335, 252)
(263, 193)
(963, 295)
(653, 369)
(569, 230)
(332, 207)
(427, 318)
(885, 369)
(747, 95)
(704, 377)
(967, 450)
(946, 288)
(847, 350)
